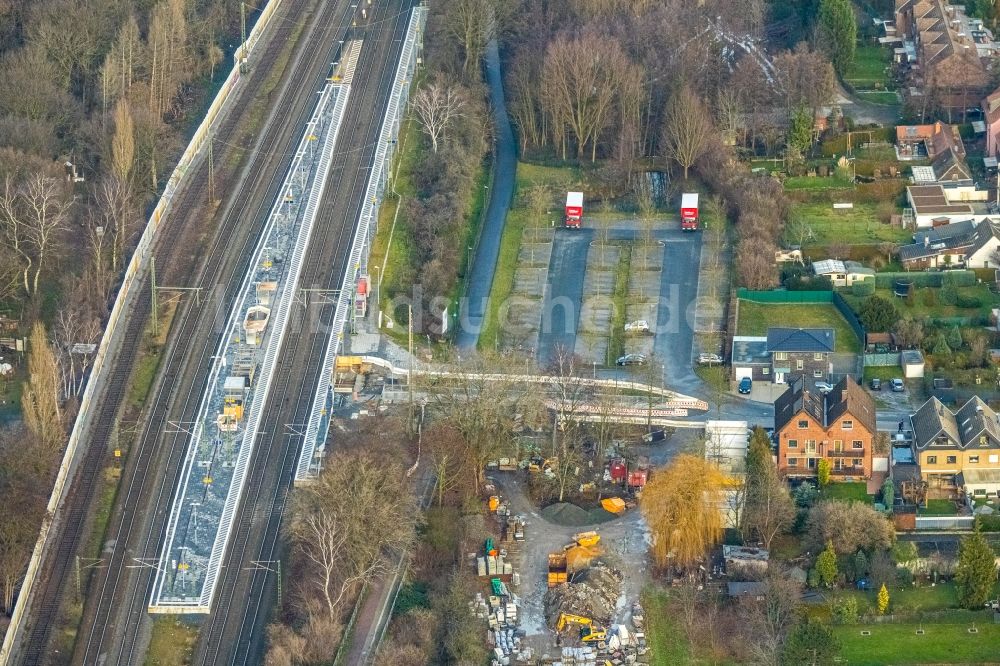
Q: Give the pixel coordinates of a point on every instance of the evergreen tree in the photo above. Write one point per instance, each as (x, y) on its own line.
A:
(976, 572)
(955, 338)
(826, 565)
(883, 600)
(800, 129)
(811, 642)
(838, 32)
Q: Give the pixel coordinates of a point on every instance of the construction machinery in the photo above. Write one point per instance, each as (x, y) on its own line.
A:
(557, 569)
(589, 632)
(586, 539)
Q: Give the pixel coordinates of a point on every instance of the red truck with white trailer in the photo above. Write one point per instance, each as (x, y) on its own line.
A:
(574, 209)
(689, 211)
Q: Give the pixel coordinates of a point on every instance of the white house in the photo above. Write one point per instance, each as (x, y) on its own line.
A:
(842, 273)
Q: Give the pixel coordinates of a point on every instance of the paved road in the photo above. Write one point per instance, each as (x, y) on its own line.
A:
(863, 111)
(563, 293)
(472, 309)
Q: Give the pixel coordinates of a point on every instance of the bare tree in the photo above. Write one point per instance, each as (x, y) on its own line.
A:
(347, 522)
(45, 216)
(687, 128)
(445, 450)
(473, 24)
(581, 78)
(769, 618)
(16, 229)
(437, 105)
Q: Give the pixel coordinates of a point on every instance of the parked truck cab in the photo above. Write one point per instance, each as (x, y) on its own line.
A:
(574, 209)
(689, 211)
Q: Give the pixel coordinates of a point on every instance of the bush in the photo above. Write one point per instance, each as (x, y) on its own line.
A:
(988, 523)
(845, 611)
(948, 296)
(863, 288)
(968, 302)
(958, 279)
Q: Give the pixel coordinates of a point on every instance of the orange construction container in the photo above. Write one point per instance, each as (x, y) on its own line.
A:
(494, 503)
(613, 504)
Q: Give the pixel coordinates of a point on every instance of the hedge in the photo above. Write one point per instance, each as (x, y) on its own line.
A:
(863, 288)
(943, 279)
(886, 280)
(959, 278)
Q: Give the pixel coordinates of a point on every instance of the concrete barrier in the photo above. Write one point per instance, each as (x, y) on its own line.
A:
(126, 294)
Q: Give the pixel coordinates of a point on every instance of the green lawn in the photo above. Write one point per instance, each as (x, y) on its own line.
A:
(817, 183)
(503, 277)
(939, 507)
(926, 302)
(667, 644)
(756, 318)
(557, 178)
(818, 223)
(870, 68)
(853, 491)
(883, 372)
(925, 599)
(899, 644)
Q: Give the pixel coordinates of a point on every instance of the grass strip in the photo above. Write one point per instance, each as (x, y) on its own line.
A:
(619, 300)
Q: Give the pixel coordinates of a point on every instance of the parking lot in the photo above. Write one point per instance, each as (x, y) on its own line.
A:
(578, 311)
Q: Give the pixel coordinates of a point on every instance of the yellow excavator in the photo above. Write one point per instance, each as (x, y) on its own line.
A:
(589, 632)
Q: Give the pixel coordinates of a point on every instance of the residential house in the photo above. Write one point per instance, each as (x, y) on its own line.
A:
(949, 68)
(838, 426)
(800, 352)
(927, 142)
(963, 244)
(842, 273)
(935, 204)
(750, 358)
(951, 170)
(953, 448)
(991, 115)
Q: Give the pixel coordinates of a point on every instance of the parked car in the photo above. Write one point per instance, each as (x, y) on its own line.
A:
(875, 384)
(709, 358)
(745, 385)
(654, 436)
(993, 604)
(637, 326)
(631, 359)
(897, 385)
(824, 387)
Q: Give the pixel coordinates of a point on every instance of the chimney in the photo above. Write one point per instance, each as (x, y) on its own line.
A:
(927, 241)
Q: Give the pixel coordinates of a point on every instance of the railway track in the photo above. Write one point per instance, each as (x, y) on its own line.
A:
(108, 618)
(234, 631)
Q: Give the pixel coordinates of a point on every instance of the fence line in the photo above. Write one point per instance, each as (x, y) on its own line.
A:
(126, 293)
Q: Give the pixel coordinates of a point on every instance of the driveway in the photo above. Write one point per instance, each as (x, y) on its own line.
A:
(864, 112)
(472, 307)
(675, 316)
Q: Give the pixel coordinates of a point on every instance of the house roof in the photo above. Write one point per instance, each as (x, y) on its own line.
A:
(931, 247)
(846, 399)
(833, 266)
(944, 50)
(800, 340)
(750, 349)
(747, 589)
(934, 424)
(931, 200)
(991, 106)
(950, 166)
(986, 231)
(943, 231)
(970, 476)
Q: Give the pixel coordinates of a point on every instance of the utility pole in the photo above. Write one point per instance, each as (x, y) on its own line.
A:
(152, 295)
(409, 378)
(211, 173)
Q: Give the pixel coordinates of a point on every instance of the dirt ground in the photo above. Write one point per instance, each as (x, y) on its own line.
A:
(625, 541)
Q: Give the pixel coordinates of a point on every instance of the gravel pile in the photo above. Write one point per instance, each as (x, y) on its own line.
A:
(571, 515)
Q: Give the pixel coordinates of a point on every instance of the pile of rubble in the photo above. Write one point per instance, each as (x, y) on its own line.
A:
(594, 593)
